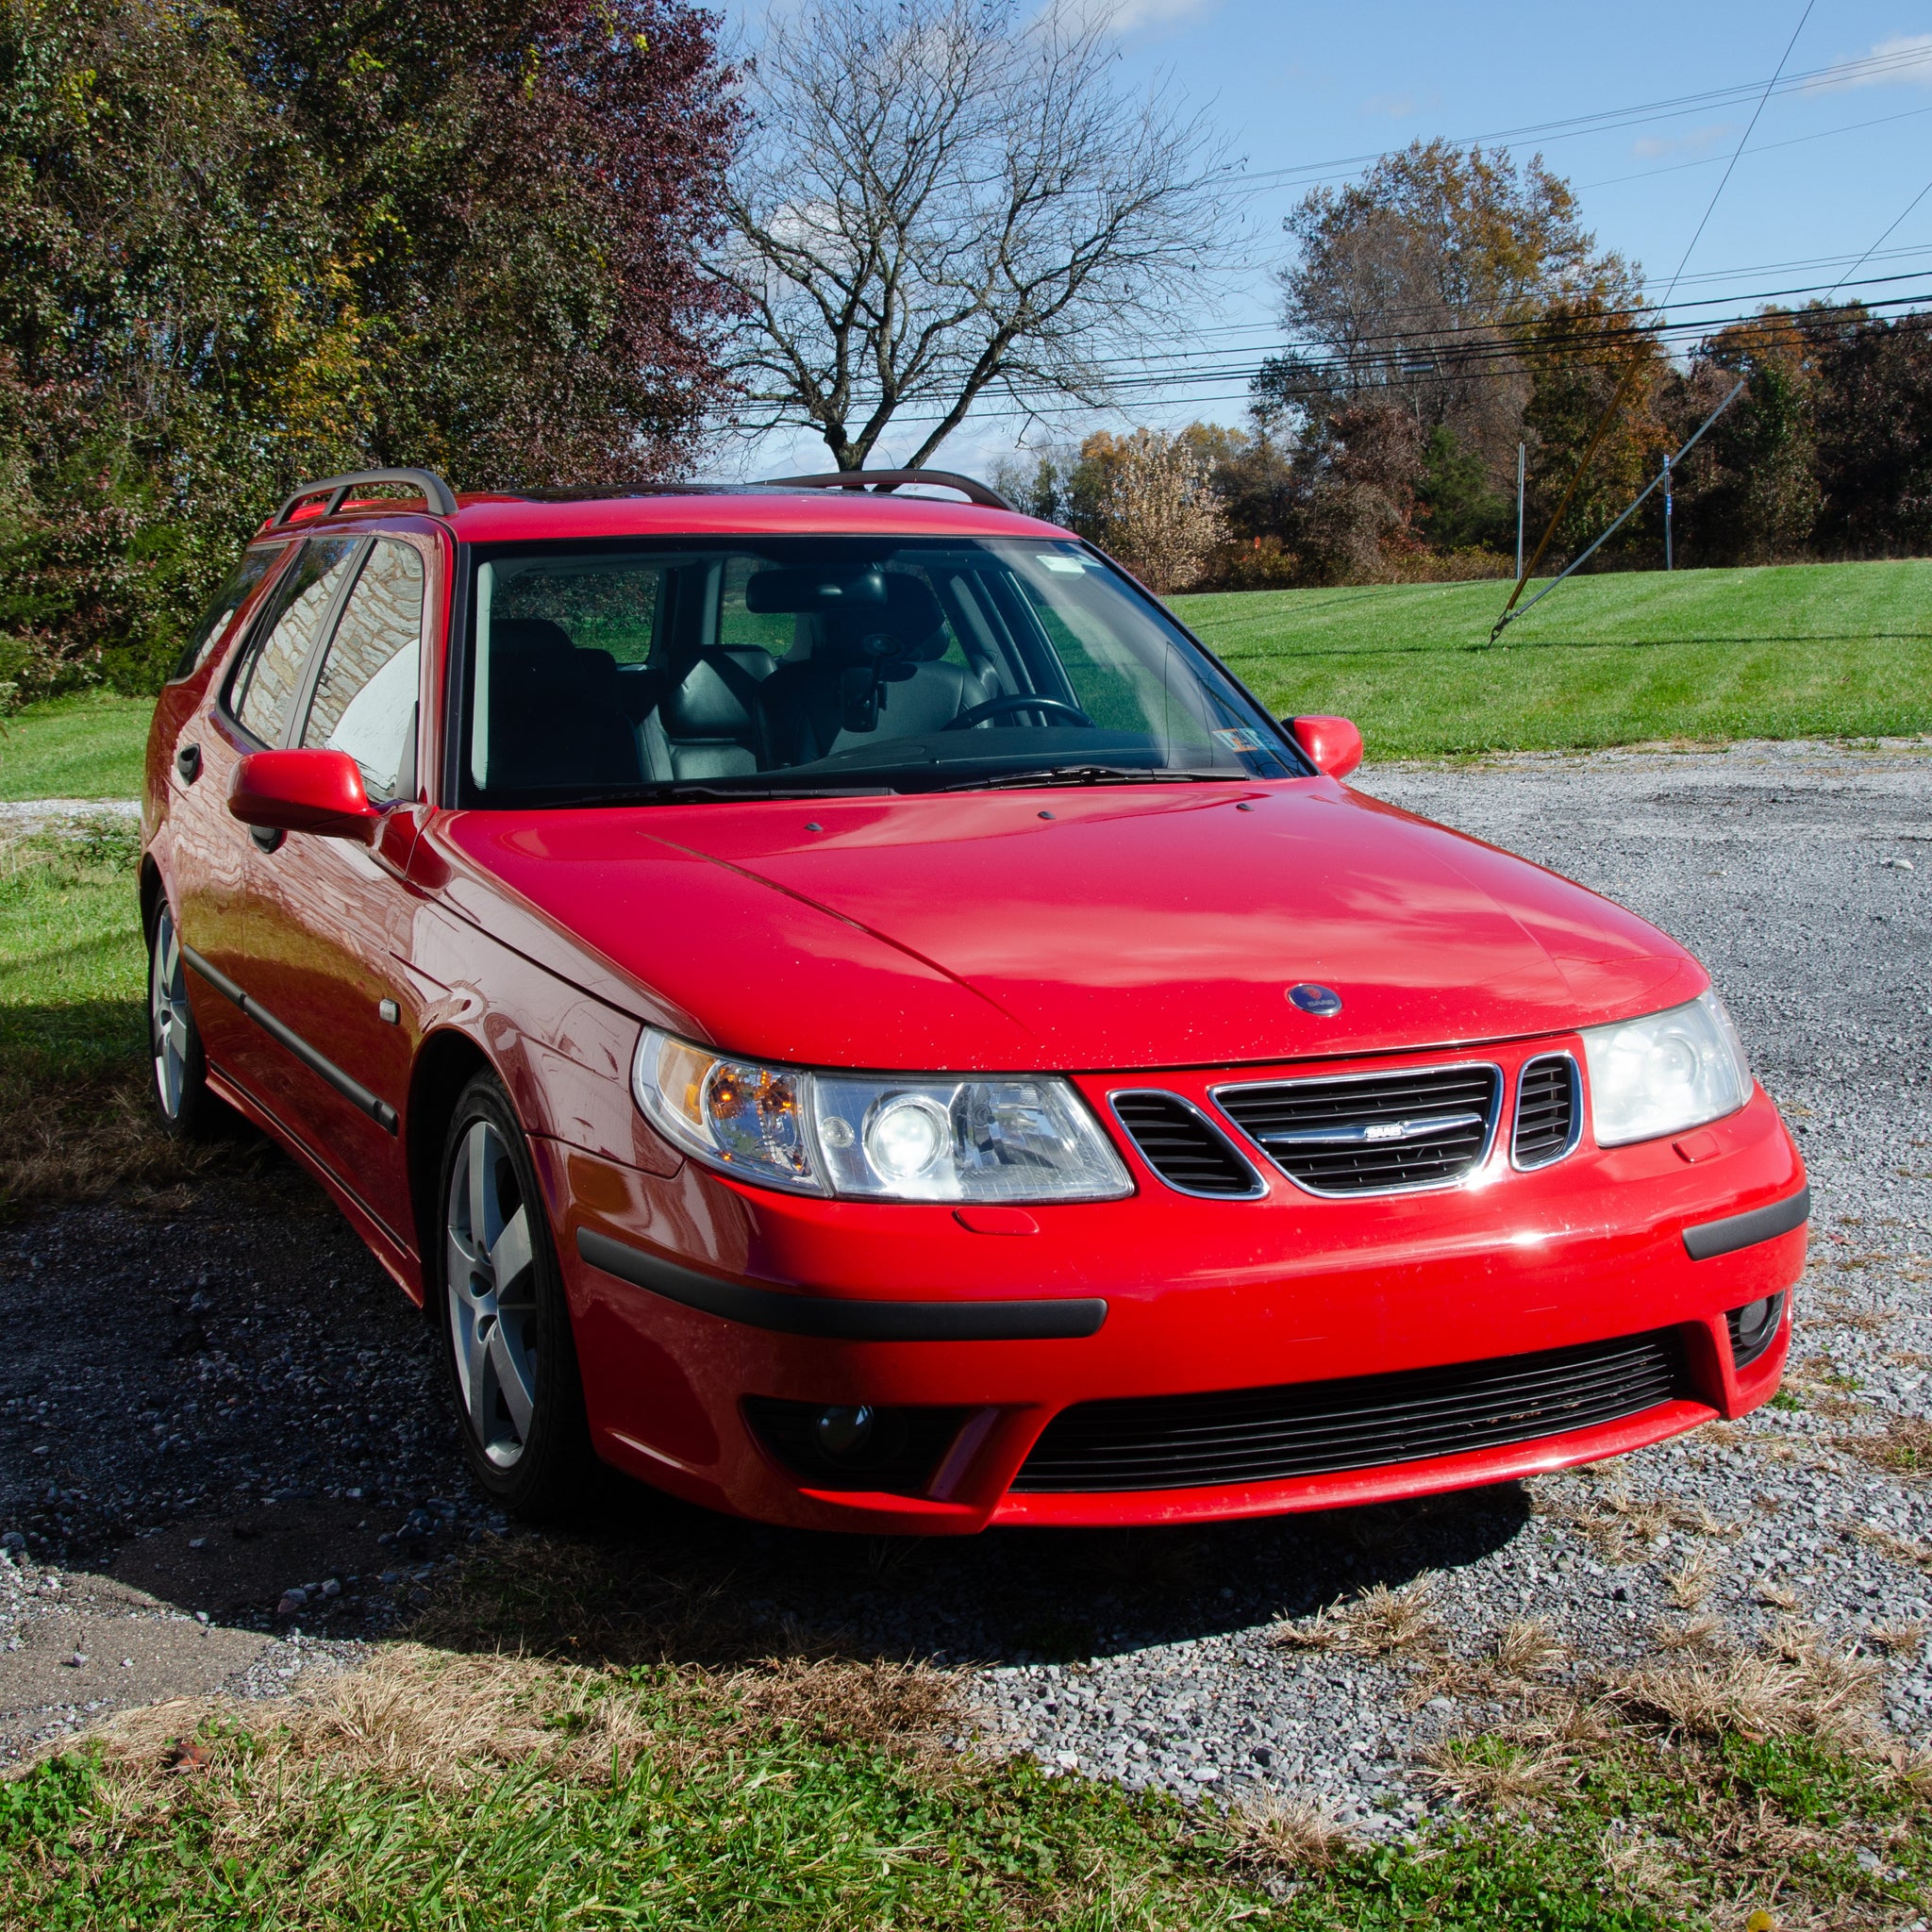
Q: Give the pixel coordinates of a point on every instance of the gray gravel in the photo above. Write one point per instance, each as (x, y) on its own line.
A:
(1798, 874)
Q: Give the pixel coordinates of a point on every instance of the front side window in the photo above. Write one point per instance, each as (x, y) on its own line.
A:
(215, 621)
(270, 673)
(808, 664)
(365, 697)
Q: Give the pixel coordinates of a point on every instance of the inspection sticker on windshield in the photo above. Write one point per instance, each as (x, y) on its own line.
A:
(1238, 738)
(1066, 566)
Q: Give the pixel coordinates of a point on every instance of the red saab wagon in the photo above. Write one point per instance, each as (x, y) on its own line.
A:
(838, 1004)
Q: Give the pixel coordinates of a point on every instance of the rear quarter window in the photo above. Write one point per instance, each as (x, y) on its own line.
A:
(243, 581)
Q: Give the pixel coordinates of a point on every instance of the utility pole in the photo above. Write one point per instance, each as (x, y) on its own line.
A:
(1668, 563)
(1518, 512)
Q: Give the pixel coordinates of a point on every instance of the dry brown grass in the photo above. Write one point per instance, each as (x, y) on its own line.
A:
(1527, 1646)
(1623, 1528)
(1695, 1581)
(1903, 1447)
(71, 1138)
(1499, 1773)
(1380, 1622)
(1698, 1633)
(1899, 1640)
(419, 1717)
(1900, 1549)
(1292, 1834)
(1793, 1686)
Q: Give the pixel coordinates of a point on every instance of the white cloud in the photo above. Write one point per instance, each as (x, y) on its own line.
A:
(1904, 57)
(1655, 146)
(1393, 107)
(1129, 16)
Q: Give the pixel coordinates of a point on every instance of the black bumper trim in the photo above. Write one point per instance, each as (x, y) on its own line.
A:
(842, 1320)
(352, 1089)
(1715, 1237)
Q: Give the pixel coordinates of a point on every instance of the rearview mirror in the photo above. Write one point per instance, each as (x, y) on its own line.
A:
(1333, 744)
(317, 791)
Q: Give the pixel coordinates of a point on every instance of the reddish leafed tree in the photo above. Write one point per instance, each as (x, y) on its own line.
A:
(522, 189)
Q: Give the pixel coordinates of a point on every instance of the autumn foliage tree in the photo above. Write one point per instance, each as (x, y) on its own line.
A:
(249, 246)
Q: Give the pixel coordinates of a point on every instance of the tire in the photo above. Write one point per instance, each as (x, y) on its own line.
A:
(507, 1340)
(187, 1109)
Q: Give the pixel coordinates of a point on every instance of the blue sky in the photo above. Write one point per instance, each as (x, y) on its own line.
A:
(1302, 91)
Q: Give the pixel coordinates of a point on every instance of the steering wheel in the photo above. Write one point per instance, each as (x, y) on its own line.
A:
(1017, 701)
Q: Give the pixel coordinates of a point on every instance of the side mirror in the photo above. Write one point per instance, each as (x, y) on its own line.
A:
(1333, 744)
(304, 791)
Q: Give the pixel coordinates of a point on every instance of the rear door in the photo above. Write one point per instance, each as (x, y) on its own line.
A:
(217, 864)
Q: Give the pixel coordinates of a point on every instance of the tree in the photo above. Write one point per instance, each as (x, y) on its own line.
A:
(950, 199)
(1410, 287)
(247, 245)
(1157, 511)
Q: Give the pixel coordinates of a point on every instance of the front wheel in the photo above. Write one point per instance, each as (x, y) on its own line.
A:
(505, 1323)
(187, 1111)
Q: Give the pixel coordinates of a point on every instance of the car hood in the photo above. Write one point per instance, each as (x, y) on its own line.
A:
(1106, 928)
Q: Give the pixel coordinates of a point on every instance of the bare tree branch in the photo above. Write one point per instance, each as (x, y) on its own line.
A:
(945, 199)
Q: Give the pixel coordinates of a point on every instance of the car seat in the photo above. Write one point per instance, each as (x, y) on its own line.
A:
(875, 674)
(706, 725)
(555, 712)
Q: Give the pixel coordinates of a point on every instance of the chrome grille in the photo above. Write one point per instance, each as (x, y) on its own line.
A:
(1547, 1111)
(1369, 1133)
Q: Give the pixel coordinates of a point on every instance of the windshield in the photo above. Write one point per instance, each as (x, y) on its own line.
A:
(810, 665)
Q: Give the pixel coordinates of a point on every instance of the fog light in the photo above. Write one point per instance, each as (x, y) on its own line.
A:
(1754, 1328)
(843, 1432)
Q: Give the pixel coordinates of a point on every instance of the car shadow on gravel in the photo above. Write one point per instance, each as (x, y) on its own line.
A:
(637, 1577)
(219, 1406)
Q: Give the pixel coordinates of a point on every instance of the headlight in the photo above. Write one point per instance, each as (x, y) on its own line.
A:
(1665, 1072)
(917, 1137)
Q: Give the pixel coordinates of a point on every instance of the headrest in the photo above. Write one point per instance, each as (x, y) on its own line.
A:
(533, 634)
(909, 625)
(782, 592)
(714, 698)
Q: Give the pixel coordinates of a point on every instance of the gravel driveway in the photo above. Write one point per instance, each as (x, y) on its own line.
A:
(215, 1402)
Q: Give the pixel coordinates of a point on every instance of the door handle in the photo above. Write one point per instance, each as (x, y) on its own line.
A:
(188, 762)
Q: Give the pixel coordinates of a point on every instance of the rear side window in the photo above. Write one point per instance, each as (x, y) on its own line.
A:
(270, 673)
(216, 619)
(365, 699)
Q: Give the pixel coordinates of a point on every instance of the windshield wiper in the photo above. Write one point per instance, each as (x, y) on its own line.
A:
(680, 790)
(1100, 775)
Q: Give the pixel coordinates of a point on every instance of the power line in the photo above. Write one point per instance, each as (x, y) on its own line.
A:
(1742, 147)
(1768, 148)
(1870, 68)
(1874, 249)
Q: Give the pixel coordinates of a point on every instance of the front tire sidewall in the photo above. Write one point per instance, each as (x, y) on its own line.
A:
(548, 1474)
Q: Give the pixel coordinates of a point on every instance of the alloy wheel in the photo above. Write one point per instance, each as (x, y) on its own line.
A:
(170, 1022)
(491, 1282)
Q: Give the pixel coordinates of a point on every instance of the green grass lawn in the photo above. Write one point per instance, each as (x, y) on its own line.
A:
(1803, 650)
(80, 747)
(458, 1783)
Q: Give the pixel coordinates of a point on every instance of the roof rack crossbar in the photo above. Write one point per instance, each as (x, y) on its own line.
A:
(436, 493)
(884, 480)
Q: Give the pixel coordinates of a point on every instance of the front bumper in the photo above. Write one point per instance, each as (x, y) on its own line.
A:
(692, 1294)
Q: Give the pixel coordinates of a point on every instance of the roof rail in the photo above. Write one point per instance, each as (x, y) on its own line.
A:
(436, 493)
(884, 480)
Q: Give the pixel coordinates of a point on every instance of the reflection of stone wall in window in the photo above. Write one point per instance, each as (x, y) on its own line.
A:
(365, 702)
(278, 669)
